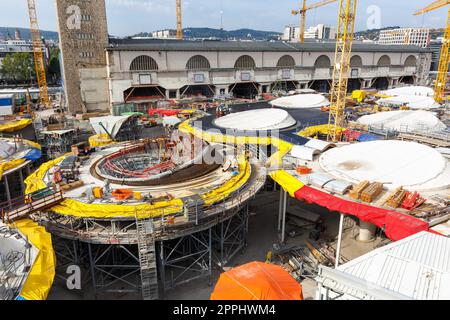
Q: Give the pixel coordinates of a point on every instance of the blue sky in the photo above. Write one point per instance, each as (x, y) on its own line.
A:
(127, 17)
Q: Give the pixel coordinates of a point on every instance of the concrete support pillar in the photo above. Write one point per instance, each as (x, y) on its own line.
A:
(8, 194)
(260, 89)
(366, 231)
(339, 243)
(167, 94)
(282, 215)
(22, 184)
(178, 94)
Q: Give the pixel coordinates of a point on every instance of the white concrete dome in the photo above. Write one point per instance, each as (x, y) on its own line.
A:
(404, 120)
(396, 163)
(301, 101)
(260, 119)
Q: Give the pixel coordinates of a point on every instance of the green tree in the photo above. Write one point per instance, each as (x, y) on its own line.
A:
(53, 67)
(18, 67)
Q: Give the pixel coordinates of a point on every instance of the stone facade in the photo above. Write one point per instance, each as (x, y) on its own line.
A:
(83, 34)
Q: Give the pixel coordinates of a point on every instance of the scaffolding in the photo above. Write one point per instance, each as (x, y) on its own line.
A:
(57, 143)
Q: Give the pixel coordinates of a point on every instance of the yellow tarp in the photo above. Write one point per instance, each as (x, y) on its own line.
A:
(40, 279)
(5, 166)
(288, 182)
(35, 181)
(15, 125)
(283, 148)
(321, 129)
(231, 185)
(99, 140)
(359, 95)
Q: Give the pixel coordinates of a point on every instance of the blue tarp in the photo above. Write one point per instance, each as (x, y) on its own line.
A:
(34, 155)
(368, 137)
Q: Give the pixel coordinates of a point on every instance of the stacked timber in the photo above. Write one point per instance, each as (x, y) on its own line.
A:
(372, 191)
(357, 190)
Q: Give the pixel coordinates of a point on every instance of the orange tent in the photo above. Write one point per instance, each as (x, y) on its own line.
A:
(257, 281)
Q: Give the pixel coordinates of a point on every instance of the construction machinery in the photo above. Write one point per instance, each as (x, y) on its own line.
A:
(38, 54)
(441, 80)
(179, 21)
(344, 42)
(302, 13)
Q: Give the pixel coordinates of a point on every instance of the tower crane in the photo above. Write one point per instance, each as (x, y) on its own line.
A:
(179, 21)
(38, 54)
(441, 79)
(344, 43)
(302, 13)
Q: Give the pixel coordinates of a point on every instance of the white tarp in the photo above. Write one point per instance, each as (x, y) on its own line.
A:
(304, 153)
(171, 121)
(413, 102)
(259, 119)
(301, 101)
(112, 124)
(410, 91)
(404, 121)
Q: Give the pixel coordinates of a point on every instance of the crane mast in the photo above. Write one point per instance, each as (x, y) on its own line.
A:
(302, 13)
(441, 79)
(38, 54)
(344, 42)
(179, 21)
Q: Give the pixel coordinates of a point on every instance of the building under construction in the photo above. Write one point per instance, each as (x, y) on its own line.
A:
(149, 215)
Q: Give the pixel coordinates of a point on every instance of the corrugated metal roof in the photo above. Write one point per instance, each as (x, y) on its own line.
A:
(416, 267)
(207, 45)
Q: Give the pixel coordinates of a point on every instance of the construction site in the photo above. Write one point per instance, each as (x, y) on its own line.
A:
(227, 170)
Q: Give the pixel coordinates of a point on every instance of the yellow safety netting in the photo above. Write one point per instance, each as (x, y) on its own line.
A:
(104, 211)
(288, 182)
(221, 138)
(359, 95)
(35, 181)
(231, 185)
(40, 279)
(5, 166)
(321, 129)
(99, 140)
(15, 125)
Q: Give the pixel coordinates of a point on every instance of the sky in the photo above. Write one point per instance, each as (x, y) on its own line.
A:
(129, 17)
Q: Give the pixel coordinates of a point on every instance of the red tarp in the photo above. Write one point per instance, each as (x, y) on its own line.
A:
(396, 225)
(164, 112)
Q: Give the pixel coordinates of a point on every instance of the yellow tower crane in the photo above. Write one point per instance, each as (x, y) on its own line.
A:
(179, 21)
(344, 42)
(302, 13)
(38, 54)
(441, 80)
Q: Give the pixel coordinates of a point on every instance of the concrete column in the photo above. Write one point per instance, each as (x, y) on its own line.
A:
(366, 231)
(178, 94)
(283, 222)
(339, 243)
(167, 94)
(8, 194)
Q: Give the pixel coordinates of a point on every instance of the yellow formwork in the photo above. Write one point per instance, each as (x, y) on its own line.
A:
(42, 273)
(100, 140)
(5, 166)
(15, 125)
(321, 129)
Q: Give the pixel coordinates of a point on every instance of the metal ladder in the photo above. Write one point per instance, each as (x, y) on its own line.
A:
(147, 259)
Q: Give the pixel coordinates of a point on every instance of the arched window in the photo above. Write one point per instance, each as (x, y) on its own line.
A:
(384, 61)
(245, 62)
(323, 62)
(198, 63)
(286, 62)
(356, 62)
(143, 63)
(411, 61)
